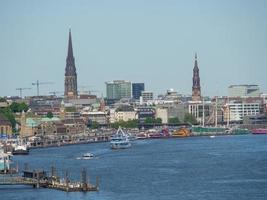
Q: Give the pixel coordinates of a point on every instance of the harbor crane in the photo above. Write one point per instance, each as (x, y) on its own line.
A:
(37, 83)
(20, 90)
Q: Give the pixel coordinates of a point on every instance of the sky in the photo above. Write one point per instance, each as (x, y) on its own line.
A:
(148, 41)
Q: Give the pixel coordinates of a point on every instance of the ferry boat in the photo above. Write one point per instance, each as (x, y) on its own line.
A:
(257, 131)
(120, 140)
(182, 132)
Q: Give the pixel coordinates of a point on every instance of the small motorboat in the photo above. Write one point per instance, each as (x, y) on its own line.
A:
(87, 156)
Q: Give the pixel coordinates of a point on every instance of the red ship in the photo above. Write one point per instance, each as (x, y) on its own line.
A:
(259, 131)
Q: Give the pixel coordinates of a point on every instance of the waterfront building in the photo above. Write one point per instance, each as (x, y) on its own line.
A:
(173, 110)
(236, 110)
(118, 89)
(137, 89)
(196, 89)
(70, 73)
(198, 109)
(29, 125)
(95, 116)
(244, 91)
(74, 126)
(125, 115)
(5, 126)
(50, 126)
(162, 113)
(260, 119)
(144, 112)
(147, 96)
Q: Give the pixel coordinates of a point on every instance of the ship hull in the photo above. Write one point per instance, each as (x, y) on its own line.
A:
(259, 131)
(20, 152)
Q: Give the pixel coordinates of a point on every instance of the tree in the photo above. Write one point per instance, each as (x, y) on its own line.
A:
(125, 124)
(70, 109)
(152, 121)
(189, 118)
(7, 113)
(2, 99)
(174, 120)
(149, 120)
(49, 115)
(94, 125)
(158, 121)
(18, 107)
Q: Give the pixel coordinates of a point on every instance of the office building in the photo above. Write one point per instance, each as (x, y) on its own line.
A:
(137, 89)
(244, 91)
(118, 89)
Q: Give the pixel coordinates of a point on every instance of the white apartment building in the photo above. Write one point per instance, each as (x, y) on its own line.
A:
(240, 109)
(125, 115)
(147, 95)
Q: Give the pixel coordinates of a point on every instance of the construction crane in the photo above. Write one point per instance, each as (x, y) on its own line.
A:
(37, 83)
(86, 90)
(20, 90)
(55, 92)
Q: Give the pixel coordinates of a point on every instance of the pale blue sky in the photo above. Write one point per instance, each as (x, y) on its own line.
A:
(142, 41)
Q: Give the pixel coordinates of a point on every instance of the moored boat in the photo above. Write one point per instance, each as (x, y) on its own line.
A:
(182, 132)
(141, 135)
(257, 131)
(199, 130)
(238, 131)
(20, 149)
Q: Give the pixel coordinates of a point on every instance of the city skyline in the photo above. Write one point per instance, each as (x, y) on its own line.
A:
(152, 42)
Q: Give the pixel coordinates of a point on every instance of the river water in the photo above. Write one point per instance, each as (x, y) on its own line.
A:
(202, 168)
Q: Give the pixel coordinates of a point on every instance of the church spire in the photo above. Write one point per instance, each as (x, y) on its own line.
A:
(196, 89)
(70, 51)
(70, 72)
(196, 65)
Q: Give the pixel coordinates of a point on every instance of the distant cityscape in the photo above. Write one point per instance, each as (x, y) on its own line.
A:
(125, 101)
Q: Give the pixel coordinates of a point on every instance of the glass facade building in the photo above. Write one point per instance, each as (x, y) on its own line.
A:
(118, 89)
(137, 89)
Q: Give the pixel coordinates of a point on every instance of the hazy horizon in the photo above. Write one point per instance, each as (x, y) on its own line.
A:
(141, 41)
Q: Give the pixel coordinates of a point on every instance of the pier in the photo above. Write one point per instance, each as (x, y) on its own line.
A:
(39, 178)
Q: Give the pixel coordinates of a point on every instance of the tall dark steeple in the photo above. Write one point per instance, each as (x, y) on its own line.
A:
(70, 73)
(196, 90)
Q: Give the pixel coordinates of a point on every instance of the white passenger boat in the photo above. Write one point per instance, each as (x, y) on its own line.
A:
(120, 140)
(87, 156)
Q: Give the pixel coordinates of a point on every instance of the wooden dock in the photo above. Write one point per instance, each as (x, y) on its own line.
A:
(38, 178)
